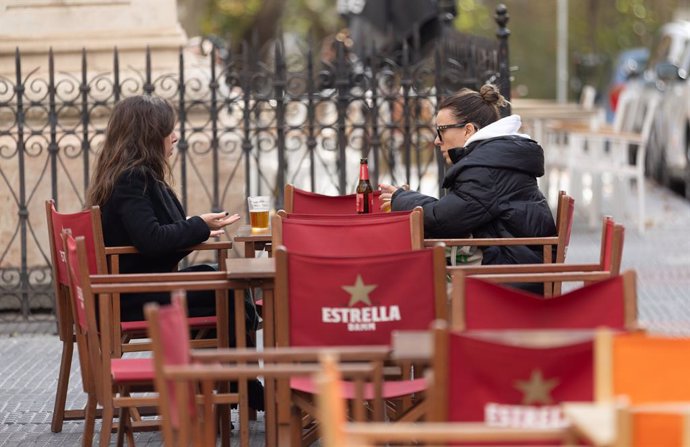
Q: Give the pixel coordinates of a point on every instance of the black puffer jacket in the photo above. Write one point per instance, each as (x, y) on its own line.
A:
(492, 193)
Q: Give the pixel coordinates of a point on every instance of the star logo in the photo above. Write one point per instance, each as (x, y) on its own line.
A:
(359, 292)
(536, 389)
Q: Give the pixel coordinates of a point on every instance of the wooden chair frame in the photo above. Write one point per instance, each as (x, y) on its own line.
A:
(564, 222)
(65, 316)
(99, 343)
(554, 274)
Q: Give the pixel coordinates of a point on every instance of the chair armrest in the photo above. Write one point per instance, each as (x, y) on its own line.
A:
(523, 268)
(545, 277)
(212, 245)
(208, 245)
(147, 287)
(121, 250)
(551, 240)
(123, 278)
(439, 432)
(218, 372)
(344, 353)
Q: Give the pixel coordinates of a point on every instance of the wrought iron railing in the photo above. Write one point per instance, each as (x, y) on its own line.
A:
(246, 127)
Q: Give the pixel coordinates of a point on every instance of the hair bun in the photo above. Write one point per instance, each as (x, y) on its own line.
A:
(491, 95)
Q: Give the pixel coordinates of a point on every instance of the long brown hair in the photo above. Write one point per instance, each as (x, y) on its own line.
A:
(479, 108)
(134, 138)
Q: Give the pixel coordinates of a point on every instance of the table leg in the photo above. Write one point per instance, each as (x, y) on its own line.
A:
(223, 334)
(270, 384)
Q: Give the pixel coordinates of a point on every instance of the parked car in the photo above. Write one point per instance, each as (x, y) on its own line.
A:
(627, 66)
(666, 76)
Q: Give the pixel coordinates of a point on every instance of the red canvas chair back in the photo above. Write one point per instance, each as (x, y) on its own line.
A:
(170, 331)
(74, 280)
(610, 243)
(301, 201)
(485, 305)
(84, 305)
(80, 224)
(307, 216)
(508, 380)
(359, 300)
(350, 237)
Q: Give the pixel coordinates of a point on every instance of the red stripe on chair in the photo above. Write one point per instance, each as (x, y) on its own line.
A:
(391, 389)
(133, 326)
(131, 370)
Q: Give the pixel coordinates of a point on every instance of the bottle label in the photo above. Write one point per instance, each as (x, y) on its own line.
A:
(364, 204)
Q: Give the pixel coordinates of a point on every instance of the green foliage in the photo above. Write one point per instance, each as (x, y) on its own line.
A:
(237, 18)
(230, 18)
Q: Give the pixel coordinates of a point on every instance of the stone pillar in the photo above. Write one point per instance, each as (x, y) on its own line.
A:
(70, 25)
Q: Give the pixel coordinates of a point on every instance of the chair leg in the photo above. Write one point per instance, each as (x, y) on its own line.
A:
(62, 386)
(295, 427)
(89, 421)
(123, 423)
(243, 411)
(106, 425)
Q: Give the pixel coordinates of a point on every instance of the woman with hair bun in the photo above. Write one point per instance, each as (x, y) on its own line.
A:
(491, 181)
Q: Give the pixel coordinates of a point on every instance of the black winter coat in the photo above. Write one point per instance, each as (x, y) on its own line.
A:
(491, 193)
(146, 213)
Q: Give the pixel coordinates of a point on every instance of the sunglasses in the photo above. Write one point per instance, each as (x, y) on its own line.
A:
(440, 129)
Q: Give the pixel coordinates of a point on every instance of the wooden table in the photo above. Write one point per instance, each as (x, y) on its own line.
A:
(246, 273)
(252, 240)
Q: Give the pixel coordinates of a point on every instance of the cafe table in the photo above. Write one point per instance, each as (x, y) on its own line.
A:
(252, 240)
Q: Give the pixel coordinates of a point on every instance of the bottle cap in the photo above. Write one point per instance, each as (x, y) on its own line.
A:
(363, 160)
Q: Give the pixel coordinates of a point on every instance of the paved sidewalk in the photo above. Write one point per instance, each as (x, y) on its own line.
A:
(29, 362)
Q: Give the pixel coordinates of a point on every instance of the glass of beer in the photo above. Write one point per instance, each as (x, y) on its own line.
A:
(258, 212)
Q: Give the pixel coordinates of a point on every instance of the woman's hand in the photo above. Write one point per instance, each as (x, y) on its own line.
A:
(387, 192)
(218, 221)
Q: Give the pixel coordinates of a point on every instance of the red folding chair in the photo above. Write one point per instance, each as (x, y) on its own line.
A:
(353, 301)
(350, 235)
(300, 201)
(558, 243)
(103, 374)
(510, 379)
(481, 305)
(338, 432)
(115, 378)
(80, 224)
(186, 380)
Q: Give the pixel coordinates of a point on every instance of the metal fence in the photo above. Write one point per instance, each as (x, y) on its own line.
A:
(247, 126)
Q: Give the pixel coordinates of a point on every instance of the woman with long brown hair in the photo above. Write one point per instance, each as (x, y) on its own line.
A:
(131, 184)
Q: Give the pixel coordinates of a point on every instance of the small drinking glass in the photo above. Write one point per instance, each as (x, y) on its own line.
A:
(259, 207)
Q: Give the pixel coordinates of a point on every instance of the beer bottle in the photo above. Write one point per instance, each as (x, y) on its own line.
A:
(365, 193)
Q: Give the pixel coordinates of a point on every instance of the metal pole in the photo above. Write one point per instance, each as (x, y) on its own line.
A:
(562, 52)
